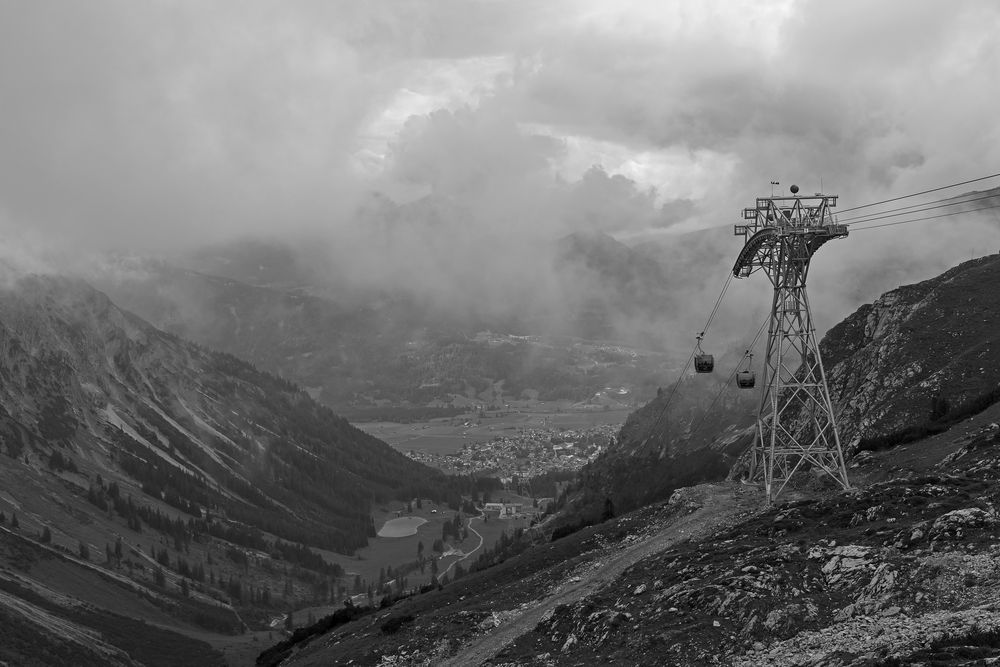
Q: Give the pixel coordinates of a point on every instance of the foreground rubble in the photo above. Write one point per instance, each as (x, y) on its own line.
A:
(903, 572)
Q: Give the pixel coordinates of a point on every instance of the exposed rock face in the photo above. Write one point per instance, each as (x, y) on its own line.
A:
(887, 361)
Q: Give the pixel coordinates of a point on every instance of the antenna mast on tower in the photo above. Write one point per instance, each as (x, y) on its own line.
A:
(795, 422)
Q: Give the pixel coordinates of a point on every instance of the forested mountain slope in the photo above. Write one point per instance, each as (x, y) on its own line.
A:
(147, 479)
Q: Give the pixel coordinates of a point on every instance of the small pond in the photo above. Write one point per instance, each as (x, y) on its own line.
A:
(402, 527)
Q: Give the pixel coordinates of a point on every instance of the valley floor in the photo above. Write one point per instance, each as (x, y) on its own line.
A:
(448, 436)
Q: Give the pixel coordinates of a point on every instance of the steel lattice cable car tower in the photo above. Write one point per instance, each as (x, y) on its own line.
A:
(795, 421)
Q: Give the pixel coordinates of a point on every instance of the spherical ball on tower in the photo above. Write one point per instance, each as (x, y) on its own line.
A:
(794, 189)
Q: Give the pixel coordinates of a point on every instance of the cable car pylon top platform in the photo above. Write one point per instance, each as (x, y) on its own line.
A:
(777, 226)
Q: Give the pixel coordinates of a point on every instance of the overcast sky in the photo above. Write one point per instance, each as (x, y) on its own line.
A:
(153, 125)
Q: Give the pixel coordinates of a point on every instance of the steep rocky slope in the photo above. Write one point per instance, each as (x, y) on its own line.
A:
(147, 479)
(888, 361)
(916, 359)
(108, 390)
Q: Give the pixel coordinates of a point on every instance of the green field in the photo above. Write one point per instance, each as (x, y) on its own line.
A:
(396, 551)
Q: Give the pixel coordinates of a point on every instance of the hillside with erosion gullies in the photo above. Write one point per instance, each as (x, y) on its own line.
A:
(902, 569)
(156, 496)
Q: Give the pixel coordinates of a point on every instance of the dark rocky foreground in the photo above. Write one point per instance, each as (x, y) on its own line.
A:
(905, 571)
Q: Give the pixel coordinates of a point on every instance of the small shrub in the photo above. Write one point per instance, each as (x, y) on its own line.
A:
(393, 624)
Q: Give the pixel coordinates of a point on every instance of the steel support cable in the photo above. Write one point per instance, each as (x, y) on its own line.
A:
(718, 302)
(955, 199)
(917, 194)
(687, 365)
(907, 210)
(929, 217)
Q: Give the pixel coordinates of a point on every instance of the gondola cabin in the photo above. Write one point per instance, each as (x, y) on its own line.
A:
(704, 363)
(746, 379)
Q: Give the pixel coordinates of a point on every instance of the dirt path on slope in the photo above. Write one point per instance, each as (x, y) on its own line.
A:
(720, 503)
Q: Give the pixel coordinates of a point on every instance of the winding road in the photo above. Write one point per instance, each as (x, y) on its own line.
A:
(459, 560)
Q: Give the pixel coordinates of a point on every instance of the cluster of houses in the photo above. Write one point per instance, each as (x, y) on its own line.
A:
(505, 510)
(526, 453)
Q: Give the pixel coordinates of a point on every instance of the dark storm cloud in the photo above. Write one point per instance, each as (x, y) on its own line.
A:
(161, 125)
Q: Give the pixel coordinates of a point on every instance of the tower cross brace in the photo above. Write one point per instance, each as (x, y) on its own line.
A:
(796, 425)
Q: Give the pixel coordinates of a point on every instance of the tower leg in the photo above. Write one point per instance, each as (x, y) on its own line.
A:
(796, 427)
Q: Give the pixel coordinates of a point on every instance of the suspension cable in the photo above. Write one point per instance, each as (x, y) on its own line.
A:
(718, 302)
(929, 217)
(917, 194)
(906, 210)
(687, 365)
